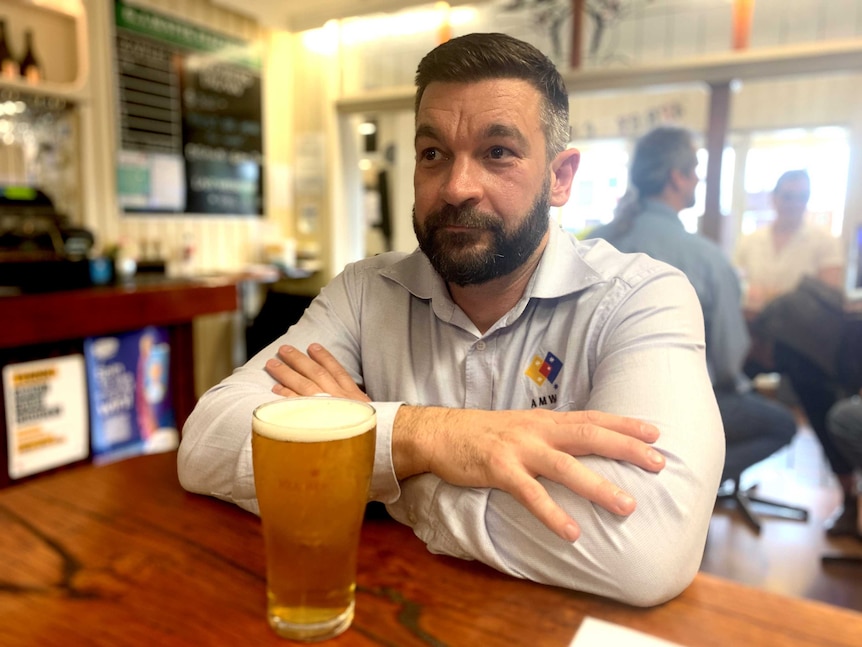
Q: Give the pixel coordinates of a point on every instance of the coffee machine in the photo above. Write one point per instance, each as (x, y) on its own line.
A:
(39, 250)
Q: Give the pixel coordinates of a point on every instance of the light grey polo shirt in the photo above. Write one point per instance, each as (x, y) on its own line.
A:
(595, 329)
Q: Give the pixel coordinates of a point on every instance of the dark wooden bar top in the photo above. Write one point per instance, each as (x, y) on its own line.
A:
(121, 555)
(47, 317)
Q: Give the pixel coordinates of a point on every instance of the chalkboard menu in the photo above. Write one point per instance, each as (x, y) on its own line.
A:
(190, 117)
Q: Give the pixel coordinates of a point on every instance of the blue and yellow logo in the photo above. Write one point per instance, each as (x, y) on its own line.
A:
(544, 370)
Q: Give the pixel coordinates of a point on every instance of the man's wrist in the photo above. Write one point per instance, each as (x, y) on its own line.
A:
(413, 432)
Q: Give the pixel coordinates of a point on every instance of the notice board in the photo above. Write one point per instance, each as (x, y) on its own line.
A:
(190, 117)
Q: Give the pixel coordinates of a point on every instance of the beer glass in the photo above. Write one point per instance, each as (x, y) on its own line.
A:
(312, 459)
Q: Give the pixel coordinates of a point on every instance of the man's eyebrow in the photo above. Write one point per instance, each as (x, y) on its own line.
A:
(492, 131)
(424, 130)
(508, 132)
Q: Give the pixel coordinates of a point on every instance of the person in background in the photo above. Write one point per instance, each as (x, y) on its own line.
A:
(543, 404)
(772, 260)
(794, 272)
(818, 349)
(662, 181)
(845, 426)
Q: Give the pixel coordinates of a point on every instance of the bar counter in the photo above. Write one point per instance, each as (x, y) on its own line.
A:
(50, 324)
(120, 554)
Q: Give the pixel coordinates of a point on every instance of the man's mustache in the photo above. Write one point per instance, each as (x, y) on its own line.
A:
(455, 216)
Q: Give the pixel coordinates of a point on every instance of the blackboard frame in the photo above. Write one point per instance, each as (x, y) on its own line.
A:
(190, 118)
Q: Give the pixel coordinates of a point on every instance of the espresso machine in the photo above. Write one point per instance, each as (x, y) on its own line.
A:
(39, 250)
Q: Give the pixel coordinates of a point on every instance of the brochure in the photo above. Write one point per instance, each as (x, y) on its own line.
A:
(46, 414)
(131, 411)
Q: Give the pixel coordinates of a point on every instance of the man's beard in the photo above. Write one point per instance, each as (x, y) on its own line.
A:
(453, 255)
(691, 200)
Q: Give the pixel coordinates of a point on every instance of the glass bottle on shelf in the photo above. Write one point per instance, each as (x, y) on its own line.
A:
(8, 65)
(31, 70)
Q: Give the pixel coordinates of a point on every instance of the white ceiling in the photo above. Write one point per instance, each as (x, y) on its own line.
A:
(299, 15)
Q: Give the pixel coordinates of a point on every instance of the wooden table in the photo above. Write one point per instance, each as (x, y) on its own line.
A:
(121, 555)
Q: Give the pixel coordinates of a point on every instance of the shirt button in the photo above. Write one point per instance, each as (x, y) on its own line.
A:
(480, 345)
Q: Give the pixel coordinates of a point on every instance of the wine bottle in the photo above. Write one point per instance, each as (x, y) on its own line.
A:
(8, 65)
(30, 68)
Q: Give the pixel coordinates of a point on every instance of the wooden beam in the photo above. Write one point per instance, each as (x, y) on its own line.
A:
(577, 34)
(768, 62)
(813, 58)
(712, 222)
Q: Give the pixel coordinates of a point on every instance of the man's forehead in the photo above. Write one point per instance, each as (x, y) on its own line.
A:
(488, 105)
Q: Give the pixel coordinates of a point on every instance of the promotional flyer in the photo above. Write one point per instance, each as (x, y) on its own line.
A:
(130, 400)
(46, 414)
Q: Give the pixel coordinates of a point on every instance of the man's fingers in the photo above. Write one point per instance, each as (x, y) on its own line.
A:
(584, 439)
(621, 424)
(308, 368)
(278, 389)
(570, 472)
(333, 367)
(318, 372)
(291, 369)
(535, 498)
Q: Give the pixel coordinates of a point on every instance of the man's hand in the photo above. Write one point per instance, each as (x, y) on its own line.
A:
(318, 372)
(508, 450)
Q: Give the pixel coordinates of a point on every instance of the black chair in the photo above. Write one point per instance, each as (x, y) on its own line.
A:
(841, 559)
(748, 505)
(280, 310)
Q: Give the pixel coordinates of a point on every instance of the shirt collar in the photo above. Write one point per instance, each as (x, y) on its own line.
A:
(562, 270)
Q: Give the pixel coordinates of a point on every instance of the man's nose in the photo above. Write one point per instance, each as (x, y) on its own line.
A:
(462, 183)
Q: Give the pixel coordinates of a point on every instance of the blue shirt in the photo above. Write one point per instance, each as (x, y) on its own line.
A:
(658, 232)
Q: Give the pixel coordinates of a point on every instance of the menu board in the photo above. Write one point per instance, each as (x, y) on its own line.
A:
(190, 117)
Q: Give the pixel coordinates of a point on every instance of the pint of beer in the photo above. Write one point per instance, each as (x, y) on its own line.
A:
(312, 459)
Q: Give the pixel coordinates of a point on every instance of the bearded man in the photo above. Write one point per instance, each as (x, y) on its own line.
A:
(543, 404)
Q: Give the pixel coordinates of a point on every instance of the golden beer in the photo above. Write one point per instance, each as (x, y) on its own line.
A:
(312, 459)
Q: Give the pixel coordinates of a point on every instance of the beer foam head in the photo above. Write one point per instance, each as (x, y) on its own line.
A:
(313, 419)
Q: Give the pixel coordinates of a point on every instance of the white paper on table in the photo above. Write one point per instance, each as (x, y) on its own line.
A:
(598, 633)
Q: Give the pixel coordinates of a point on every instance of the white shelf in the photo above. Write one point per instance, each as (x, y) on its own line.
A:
(61, 37)
(67, 92)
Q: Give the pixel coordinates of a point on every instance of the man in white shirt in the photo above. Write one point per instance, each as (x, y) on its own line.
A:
(543, 404)
(788, 261)
(772, 260)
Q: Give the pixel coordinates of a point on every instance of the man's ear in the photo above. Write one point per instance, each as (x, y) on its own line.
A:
(675, 178)
(563, 170)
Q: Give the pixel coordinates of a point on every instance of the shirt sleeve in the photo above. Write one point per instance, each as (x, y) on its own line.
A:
(831, 252)
(215, 452)
(648, 363)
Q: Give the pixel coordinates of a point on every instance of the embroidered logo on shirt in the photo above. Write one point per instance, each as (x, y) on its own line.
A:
(544, 370)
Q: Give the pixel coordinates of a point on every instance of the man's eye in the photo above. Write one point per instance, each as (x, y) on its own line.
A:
(498, 152)
(429, 154)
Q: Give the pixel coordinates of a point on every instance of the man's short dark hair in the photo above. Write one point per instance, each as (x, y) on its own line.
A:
(792, 176)
(480, 57)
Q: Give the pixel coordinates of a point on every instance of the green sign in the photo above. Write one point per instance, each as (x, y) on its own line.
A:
(183, 34)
